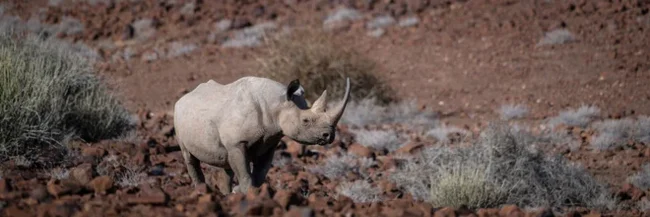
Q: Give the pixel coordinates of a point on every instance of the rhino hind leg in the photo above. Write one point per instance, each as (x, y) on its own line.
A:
(193, 167)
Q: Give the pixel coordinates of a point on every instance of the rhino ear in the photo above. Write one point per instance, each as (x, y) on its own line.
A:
(292, 88)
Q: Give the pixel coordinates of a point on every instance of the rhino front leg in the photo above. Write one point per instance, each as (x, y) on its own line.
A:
(261, 166)
(240, 166)
(193, 167)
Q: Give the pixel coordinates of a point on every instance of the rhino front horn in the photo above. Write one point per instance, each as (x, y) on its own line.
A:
(337, 112)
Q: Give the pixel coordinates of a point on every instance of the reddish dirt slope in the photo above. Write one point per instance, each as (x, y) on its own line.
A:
(463, 59)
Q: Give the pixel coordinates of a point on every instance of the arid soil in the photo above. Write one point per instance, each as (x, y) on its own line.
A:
(462, 59)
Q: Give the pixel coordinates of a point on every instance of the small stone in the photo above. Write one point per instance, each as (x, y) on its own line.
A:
(445, 212)
(148, 196)
(295, 149)
(487, 212)
(286, 198)
(39, 193)
(4, 185)
(409, 148)
(264, 207)
(381, 22)
(295, 211)
(93, 152)
(511, 211)
(208, 207)
(223, 25)
(592, 214)
(240, 22)
(409, 21)
(61, 187)
(376, 33)
(82, 173)
(359, 150)
(101, 184)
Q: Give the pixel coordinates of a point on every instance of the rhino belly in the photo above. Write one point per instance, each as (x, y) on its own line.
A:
(215, 155)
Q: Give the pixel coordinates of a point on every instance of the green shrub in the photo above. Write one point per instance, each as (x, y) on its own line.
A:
(313, 57)
(48, 94)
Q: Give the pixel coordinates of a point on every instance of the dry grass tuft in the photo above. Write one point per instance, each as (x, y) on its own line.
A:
(320, 63)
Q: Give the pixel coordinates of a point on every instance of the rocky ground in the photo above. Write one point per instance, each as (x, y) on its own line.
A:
(461, 59)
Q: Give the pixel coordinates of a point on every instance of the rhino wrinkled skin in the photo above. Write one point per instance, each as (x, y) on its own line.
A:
(230, 126)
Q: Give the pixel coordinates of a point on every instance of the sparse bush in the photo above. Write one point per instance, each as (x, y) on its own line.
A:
(612, 133)
(48, 94)
(641, 179)
(368, 111)
(580, 117)
(501, 167)
(131, 178)
(178, 49)
(59, 173)
(441, 133)
(338, 166)
(465, 185)
(557, 36)
(509, 112)
(360, 191)
(320, 63)
(379, 139)
(642, 130)
(618, 132)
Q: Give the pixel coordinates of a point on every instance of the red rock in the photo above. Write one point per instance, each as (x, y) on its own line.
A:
(426, 208)
(206, 207)
(387, 162)
(646, 152)
(138, 159)
(96, 152)
(295, 149)
(359, 150)
(317, 202)
(252, 193)
(545, 212)
(264, 207)
(445, 212)
(295, 211)
(58, 208)
(14, 211)
(413, 211)
(392, 211)
(629, 191)
(488, 213)
(386, 186)
(148, 195)
(235, 198)
(592, 214)
(409, 148)
(4, 185)
(311, 179)
(201, 189)
(511, 211)
(82, 173)
(161, 159)
(39, 193)
(206, 198)
(61, 187)
(101, 184)
(286, 198)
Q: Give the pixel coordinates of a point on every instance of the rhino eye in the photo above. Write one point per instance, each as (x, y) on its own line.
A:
(305, 120)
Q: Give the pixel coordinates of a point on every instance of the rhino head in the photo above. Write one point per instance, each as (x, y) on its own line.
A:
(311, 125)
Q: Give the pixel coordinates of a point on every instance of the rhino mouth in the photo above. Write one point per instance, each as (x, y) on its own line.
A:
(317, 142)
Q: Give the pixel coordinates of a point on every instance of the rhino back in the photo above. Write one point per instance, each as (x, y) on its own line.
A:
(241, 107)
